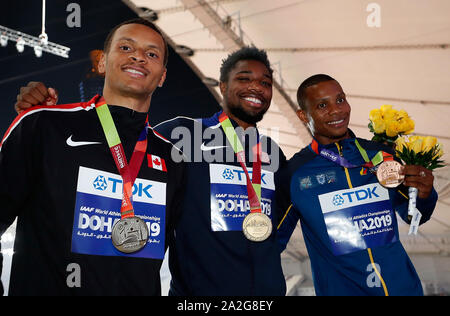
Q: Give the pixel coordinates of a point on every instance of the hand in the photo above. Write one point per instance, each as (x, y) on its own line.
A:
(35, 93)
(420, 178)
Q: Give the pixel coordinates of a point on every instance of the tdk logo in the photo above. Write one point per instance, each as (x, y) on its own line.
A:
(101, 183)
(338, 200)
(229, 174)
(362, 194)
(342, 199)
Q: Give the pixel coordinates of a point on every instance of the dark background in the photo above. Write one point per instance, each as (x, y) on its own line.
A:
(183, 92)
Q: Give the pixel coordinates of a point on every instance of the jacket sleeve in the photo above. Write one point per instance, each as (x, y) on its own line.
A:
(180, 132)
(18, 159)
(178, 182)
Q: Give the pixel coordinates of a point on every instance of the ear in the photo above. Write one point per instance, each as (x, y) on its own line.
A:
(302, 116)
(163, 78)
(223, 88)
(102, 64)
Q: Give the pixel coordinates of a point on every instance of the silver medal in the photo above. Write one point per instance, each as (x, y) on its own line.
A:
(129, 234)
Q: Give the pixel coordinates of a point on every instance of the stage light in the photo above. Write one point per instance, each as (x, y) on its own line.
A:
(22, 39)
(210, 82)
(184, 50)
(38, 51)
(20, 45)
(3, 40)
(44, 39)
(148, 14)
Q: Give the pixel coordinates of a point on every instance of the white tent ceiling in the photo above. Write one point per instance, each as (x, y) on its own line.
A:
(404, 62)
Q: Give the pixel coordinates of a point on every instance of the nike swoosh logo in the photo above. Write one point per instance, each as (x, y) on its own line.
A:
(71, 143)
(203, 147)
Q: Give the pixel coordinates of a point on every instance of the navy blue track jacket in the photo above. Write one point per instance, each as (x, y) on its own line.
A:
(210, 254)
(348, 222)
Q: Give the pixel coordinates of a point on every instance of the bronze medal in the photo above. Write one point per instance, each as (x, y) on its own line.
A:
(388, 174)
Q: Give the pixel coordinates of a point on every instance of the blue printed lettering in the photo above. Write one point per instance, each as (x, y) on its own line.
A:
(372, 192)
(361, 197)
(114, 181)
(239, 173)
(349, 195)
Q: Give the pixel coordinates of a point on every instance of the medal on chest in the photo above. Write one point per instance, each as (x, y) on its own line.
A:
(256, 226)
(130, 233)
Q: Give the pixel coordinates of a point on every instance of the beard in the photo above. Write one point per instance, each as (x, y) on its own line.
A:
(248, 117)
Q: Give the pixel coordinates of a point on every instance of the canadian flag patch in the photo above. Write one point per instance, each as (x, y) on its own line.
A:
(156, 162)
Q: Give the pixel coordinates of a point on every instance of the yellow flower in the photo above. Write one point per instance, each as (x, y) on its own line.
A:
(379, 126)
(375, 115)
(415, 144)
(406, 123)
(402, 114)
(400, 144)
(428, 143)
(385, 107)
(439, 151)
(389, 115)
(392, 128)
(409, 127)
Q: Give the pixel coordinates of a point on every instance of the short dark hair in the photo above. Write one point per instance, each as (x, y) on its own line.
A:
(107, 44)
(245, 53)
(311, 81)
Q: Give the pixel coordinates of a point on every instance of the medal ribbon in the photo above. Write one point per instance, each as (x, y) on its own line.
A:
(254, 185)
(130, 171)
(338, 159)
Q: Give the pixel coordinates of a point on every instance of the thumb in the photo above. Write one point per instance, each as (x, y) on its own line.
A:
(53, 98)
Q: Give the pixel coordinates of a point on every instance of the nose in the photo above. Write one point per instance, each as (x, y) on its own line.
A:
(334, 108)
(138, 56)
(255, 86)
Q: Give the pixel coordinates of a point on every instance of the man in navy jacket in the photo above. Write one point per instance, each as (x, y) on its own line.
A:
(348, 219)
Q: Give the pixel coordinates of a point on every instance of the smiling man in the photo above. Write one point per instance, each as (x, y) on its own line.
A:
(348, 219)
(213, 253)
(245, 100)
(86, 191)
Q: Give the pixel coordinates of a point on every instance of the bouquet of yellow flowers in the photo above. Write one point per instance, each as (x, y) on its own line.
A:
(387, 124)
(423, 151)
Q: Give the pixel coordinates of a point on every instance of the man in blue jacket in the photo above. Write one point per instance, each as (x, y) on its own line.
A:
(348, 218)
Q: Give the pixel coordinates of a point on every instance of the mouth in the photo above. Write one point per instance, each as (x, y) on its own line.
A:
(338, 123)
(135, 72)
(254, 101)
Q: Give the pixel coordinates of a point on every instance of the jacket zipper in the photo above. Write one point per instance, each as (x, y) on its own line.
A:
(369, 250)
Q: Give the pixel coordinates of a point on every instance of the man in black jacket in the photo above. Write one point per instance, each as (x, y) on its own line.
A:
(92, 173)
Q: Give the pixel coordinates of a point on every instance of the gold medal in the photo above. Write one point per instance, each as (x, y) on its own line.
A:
(257, 226)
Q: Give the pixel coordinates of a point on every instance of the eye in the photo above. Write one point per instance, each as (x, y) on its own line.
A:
(124, 47)
(322, 105)
(340, 100)
(152, 55)
(266, 83)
